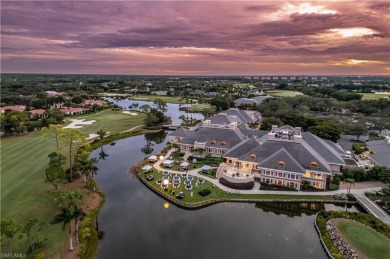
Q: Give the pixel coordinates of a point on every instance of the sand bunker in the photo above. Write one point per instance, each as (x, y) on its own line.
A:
(92, 135)
(77, 124)
(131, 113)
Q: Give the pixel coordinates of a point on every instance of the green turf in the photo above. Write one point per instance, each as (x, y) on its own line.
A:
(284, 93)
(373, 96)
(167, 99)
(23, 164)
(367, 240)
(201, 107)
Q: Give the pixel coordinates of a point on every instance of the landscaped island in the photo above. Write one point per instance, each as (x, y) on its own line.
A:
(353, 235)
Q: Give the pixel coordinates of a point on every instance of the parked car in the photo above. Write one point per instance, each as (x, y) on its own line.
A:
(204, 192)
(149, 177)
(180, 195)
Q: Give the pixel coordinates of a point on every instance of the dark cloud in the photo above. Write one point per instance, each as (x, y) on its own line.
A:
(159, 32)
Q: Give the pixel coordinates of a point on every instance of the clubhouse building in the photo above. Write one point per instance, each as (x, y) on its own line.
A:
(283, 156)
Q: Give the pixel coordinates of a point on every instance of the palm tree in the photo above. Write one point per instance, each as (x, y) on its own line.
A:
(88, 167)
(65, 217)
(349, 182)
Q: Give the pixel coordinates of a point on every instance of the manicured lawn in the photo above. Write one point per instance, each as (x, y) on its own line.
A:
(167, 99)
(284, 93)
(201, 107)
(367, 240)
(24, 195)
(373, 96)
(219, 193)
(109, 121)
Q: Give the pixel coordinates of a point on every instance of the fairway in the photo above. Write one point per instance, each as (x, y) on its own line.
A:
(23, 163)
(373, 96)
(109, 121)
(284, 93)
(369, 242)
(201, 107)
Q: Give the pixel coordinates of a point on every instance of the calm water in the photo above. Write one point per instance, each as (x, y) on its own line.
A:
(136, 225)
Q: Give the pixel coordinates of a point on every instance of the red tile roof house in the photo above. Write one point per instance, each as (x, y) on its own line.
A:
(38, 113)
(93, 102)
(20, 108)
(72, 111)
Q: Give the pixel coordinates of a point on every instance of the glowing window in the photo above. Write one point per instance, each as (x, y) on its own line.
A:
(281, 163)
(314, 164)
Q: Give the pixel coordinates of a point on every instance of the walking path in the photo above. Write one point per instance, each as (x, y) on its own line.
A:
(372, 208)
(255, 190)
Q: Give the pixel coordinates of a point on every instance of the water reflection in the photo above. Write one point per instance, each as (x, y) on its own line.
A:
(291, 209)
(157, 138)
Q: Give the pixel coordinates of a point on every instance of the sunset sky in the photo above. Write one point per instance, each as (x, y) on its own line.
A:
(196, 37)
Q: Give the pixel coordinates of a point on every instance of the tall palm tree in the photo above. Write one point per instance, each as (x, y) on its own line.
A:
(65, 217)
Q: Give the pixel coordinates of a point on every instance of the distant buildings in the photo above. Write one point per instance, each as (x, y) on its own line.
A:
(249, 101)
(20, 108)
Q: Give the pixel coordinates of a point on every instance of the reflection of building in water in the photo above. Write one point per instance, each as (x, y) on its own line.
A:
(291, 209)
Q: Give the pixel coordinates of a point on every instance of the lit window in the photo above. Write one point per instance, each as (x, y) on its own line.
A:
(281, 163)
(314, 164)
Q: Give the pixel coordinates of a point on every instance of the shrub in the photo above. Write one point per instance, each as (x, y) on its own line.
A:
(275, 187)
(238, 186)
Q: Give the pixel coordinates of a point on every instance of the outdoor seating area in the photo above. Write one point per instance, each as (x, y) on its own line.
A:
(168, 180)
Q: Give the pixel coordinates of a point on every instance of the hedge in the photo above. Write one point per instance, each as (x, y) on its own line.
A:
(238, 186)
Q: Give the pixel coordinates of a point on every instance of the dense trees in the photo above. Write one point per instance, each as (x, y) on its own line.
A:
(9, 228)
(17, 121)
(221, 104)
(155, 118)
(332, 92)
(267, 123)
